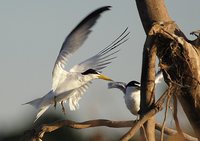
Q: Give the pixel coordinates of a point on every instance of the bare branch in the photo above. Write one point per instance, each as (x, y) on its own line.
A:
(171, 132)
(38, 133)
(178, 128)
(144, 132)
(165, 117)
(148, 84)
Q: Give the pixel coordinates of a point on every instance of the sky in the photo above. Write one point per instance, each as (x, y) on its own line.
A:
(31, 35)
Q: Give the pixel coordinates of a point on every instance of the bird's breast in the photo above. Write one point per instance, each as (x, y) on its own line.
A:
(71, 82)
(132, 100)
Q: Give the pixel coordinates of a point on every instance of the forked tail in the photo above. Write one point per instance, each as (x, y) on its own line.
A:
(35, 103)
(40, 108)
(41, 111)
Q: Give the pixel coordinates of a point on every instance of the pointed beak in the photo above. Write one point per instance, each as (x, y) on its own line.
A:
(101, 76)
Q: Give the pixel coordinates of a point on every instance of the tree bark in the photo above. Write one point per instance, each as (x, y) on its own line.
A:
(147, 85)
(179, 58)
(151, 11)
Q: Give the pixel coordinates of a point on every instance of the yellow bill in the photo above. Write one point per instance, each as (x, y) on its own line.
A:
(101, 76)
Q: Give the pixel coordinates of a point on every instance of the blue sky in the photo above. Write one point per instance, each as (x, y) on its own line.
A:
(32, 33)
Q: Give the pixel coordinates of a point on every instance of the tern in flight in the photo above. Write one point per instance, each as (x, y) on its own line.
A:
(71, 85)
(132, 92)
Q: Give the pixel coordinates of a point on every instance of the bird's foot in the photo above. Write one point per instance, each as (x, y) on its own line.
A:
(55, 103)
(63, 108)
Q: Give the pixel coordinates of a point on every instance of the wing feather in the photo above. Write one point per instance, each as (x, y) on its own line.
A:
(104, 57)
(73, 42)
(76, 96)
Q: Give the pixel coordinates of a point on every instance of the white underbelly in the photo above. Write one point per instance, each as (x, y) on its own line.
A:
(132, 100)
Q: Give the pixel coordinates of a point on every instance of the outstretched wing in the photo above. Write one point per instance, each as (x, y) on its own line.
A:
(73, 42)
(76, 96)
(118, 85)
(104, 57)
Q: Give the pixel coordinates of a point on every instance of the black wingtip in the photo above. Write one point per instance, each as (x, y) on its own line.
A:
(104, 8)
(97, 12)
(87, 23)
(93, 16)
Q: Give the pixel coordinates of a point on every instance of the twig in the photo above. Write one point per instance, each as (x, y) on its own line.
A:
(171, 132)
(178, 128)
(144, 132)
(165, 117)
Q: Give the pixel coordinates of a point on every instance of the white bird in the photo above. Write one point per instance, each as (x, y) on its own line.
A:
(132, 92)
(71, 85)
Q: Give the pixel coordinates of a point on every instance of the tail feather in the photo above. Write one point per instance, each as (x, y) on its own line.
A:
(41, 111)
(35, 103)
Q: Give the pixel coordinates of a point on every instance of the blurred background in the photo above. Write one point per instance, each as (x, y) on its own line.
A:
(31, 34)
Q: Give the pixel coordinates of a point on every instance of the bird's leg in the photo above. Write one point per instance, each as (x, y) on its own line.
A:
(55, 103)
(63, 108)
(137, 117)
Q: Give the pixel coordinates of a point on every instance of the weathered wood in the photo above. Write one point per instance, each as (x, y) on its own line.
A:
(151, 11)
(179, 58)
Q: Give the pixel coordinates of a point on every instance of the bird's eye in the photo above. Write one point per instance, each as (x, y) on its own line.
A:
(90, 71)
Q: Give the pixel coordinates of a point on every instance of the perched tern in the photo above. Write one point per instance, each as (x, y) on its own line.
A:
(71, 85)
(132, 92)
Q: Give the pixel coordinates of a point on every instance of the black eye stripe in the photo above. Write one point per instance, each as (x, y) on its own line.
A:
(90, 71)
(133, 83)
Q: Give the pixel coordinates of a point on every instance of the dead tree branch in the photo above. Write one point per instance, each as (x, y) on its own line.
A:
(178, 127)
(38, 133)
(179, 58)
(171, 132)
(165, 117)
(183, 56)
(148, 84)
